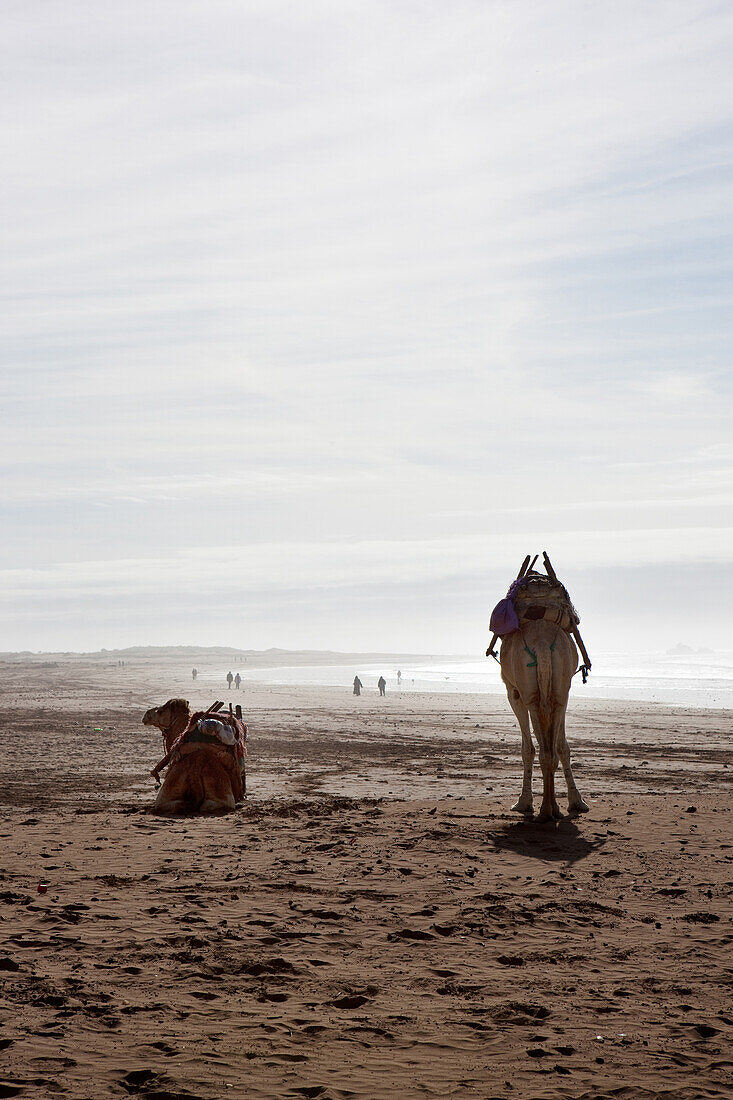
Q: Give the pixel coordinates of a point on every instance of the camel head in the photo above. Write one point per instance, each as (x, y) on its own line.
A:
(171, 719)
(164, 717)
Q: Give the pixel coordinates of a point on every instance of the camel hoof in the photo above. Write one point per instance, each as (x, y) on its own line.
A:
(522, 808)
(579, 808)
(545, 819)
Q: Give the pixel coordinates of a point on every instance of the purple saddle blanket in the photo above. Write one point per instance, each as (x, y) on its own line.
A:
(504, 618)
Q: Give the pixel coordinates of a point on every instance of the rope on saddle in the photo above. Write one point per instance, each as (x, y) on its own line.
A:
(533, 663)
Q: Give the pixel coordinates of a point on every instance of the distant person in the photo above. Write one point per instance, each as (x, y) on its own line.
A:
(229, 680)
(237, 681)
(194, 673)
(382, 685)
(357, 686)
(399, 678)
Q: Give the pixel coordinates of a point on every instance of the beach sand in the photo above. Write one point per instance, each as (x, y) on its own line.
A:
(374, 922)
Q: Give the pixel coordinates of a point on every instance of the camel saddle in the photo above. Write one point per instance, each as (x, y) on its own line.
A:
(539, 597)
(530, 598)
(195, 737)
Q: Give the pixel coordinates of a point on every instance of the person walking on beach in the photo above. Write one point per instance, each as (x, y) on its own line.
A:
(399, 678)
(357, 686)
(194, 673)
(382, 685)
(229, 680)
(237, 681)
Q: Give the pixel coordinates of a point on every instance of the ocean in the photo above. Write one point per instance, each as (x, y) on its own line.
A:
(698, 680)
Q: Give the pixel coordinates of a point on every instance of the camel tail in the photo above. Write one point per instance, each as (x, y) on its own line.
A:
(544, 683)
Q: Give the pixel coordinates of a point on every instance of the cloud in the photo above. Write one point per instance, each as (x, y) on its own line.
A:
(679, 386)
(258, 568)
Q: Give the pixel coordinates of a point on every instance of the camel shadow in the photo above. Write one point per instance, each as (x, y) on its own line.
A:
(562, 842)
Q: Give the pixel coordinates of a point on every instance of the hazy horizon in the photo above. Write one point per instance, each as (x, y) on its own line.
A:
(317, 319)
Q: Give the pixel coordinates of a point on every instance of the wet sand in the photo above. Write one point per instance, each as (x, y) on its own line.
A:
(374, 922)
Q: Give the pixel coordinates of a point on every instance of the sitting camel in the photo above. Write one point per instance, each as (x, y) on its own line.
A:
(204, 775)
(537, 665)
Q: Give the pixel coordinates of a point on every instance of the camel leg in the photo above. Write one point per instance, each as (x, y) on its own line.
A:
(217, 795)
(576, 803)
(217, 805)
(181, 791)
(549, 810)
(525, 803)
(164, 804)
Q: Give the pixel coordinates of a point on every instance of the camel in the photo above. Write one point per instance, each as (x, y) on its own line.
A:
(203, 777)
(538, 663)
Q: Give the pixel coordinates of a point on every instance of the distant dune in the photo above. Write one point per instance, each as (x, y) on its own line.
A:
(255, 657)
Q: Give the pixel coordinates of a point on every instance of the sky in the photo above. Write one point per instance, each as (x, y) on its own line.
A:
(317, 318)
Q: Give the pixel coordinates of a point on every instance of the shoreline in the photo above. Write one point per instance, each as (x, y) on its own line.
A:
(173, 676)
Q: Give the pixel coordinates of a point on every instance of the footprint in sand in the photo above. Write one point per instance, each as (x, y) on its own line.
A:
(411, 934)
(165, 1048)
(519, 1013)
(350, 1001)
(705, 1031)
(146, 1082)
(268, 966)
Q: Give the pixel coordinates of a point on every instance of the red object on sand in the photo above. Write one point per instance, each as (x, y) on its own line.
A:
(42, 887)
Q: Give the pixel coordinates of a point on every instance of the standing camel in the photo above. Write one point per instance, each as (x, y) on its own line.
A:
(537, 666)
